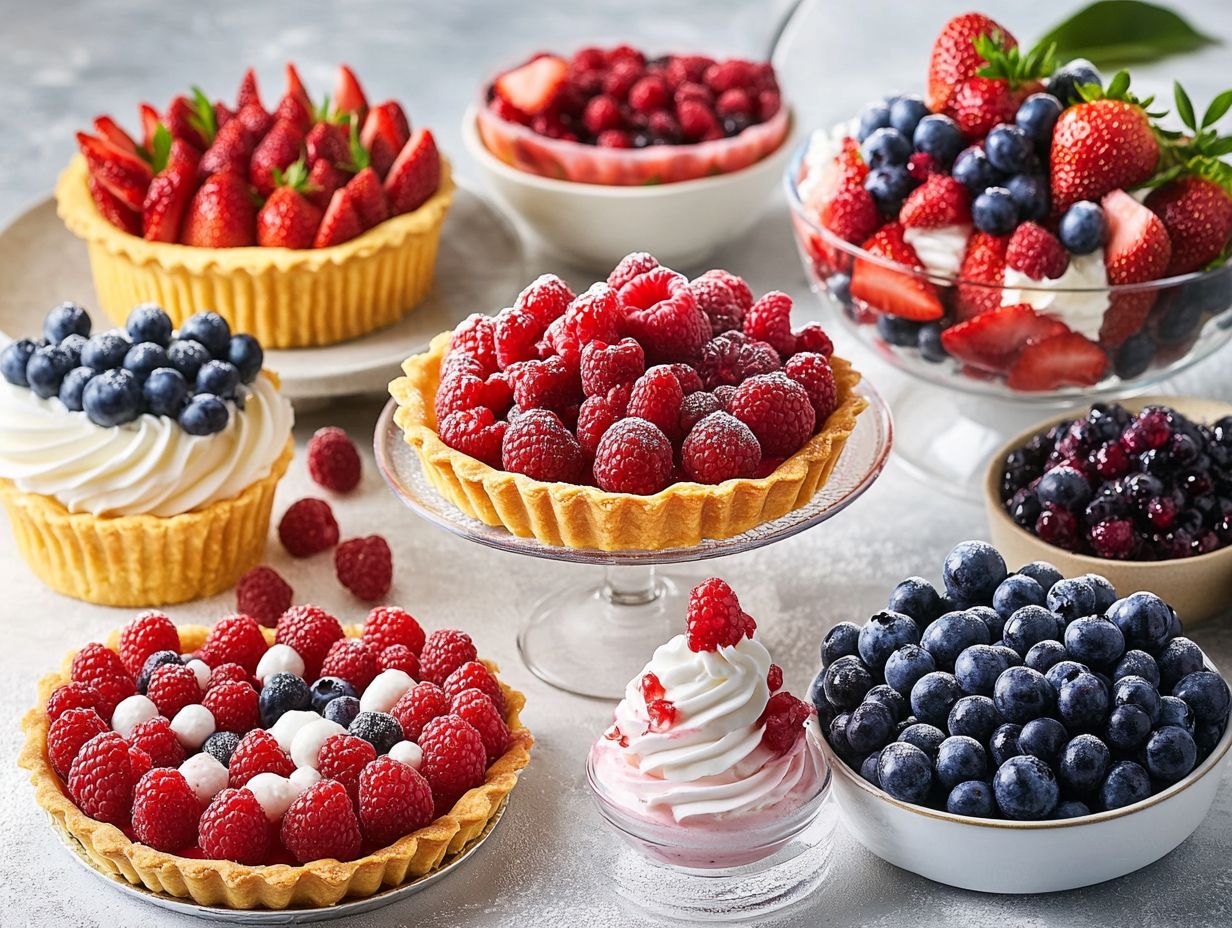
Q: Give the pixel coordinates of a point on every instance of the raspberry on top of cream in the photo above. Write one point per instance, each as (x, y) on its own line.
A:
(1078, 297)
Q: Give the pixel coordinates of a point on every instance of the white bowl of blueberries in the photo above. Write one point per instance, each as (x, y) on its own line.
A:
(1020, 717)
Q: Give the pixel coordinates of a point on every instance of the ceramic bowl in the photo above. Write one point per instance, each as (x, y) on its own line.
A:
(1198, 588)
(597, 225)
(996, 856)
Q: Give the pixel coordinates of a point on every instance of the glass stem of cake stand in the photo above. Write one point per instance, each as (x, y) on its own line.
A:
(630, 586)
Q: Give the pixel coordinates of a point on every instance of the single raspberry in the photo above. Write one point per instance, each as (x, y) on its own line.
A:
(631, 265)
(310, 630)
(1036, 252)
(445, 651)
(263, 594)
(139, 763)
(321, 824)
(663, 128)
(597, 414)
(656, 397)
(333, 460)
(812, 371)
(698, 121)
(234, 827)
(784, 719)
(165, 811)
(258, 752)
(418, 706)
(235, 706)
(559, 342)
(353, 661)
(546, 298)
(172, 687)
(696, 406)
(227, 673)
(1113, 538)
(152, 663)
(308, 527)
(456, 363)
(769, 102)
(634, 456)
(602, 113)
(394, 800)
(728, 75)
(664, 316)
(149, 632)
(515, 333)
(474, 675)
(778, 410)
(620, 79)
(476, 707)
(687, 376)
(454, 759)
(342, 758)
(365, 566)
(475, 337)
(475, 432)
(720, 447)
(714, 618)
(155, 737)
(596, 315)
(813, 338)
(539, 446)
(774, 678)
(693, 90)
(731, 358)
(71, 696)
(68, 734)
(921, 166)
(399, 657)
(389, 625)
(649, 94)
(235, 639)
(724, 393)
(546, 384)
(769, 321)
(734, 102)
(96, 662)
(687, 68)
(718, 302)
(739, 288)
(101, 779)
(461, 390)
(614, 138)
(604, 365)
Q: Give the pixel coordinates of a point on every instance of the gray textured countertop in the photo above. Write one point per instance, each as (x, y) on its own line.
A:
(62, 63)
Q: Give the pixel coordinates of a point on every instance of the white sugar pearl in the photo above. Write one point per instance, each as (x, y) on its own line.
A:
(192, 725)
(130, 713)
(385, 690)
(274, 793)
(289, 724)
(279, 658)
(304, 777)
(202, 671)
(205, 775)
(408, 752)
(306, 745)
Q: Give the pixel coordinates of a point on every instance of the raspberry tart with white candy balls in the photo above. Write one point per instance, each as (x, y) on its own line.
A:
(249, 767)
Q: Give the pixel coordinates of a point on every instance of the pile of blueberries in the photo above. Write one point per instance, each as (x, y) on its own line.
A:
(116, 376)
(1026, 696)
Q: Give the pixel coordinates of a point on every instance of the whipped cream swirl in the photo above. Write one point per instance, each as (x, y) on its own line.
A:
(1078, 298)
(940, 250)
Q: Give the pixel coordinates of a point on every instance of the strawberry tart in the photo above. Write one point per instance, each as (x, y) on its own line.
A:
(649, 412)
(305, 224)
(257, 768)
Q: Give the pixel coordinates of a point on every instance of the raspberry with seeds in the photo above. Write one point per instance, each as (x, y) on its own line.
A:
(462, 390)
(474, 675)
(812, 371)
(739, 288)
(714, 618)
(697, 120)
(598, 413)
(101, 779)
(96, 662)
(399, 657)
(308, 527)
(445, 651)
(234, 827)
(172, 687)
(734, 102)
(71, 695)
(602, 113)
(321, 824)
(389, 625)
(155, 737)
(394, 800)
(718, 302)
(455, 363)
(235, 706)
(656, 397)
(604, 366)
(454, 759)
(263, 594)
(720, 447)
(649, 94)
(538, 445)
(149, 632)
(476, 708)
(342, 758)
(227, 673)
(333, 460)
(813, 338)
(631, 265)
(784, 719)
(310, 630)
(365, 566)
(549, 384)
(258, 752)
(687, 376)
(418, 706)
(68, 734)
(697, 406)
(546, 298)
(1036, 252)
(769, 320)
(353, 661)
(560, 342)
(475, 337)
(693, 90)
(634, 456)
(728, 75)
(139, 763)
(515, 333)
(596, 315)
(165, 811)
(620, 79)
(724, 394)
(475, 432)
(663, 315)
(235, 639)
(778, 410)
(731, 358)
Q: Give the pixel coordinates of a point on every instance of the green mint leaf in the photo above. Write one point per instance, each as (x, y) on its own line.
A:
(1184, 106)
(1218, 108)
(202, 118)
(1111, 33)
(1118, 86)
(160, 148)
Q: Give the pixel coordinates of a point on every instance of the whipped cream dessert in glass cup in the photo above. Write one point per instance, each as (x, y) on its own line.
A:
(711, 771)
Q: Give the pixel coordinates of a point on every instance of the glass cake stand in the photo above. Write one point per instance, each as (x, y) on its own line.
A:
(635, 607)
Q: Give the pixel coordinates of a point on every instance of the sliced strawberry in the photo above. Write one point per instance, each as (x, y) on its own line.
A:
(1036, 252)
(349, 95)
(248, 92)
(114, 209)
(1138, 246)
(394, 109)
(983, 263)
(415, 174)
(230, 151)
(106, 127)
(891, 291)
(382, 138)
(341, 222)
(1065, 360)
(168, 197)
(296, 89)
(327, 141)
(369, 198)
(289, 219)
(940, 201)
(323, 180)
(150, 121)
(532, 87)
(120, 171)
(992, 340)
(222, 213)
(280, 148)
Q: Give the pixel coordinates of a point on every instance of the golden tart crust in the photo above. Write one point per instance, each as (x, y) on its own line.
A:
(586, 517)
(277, 886)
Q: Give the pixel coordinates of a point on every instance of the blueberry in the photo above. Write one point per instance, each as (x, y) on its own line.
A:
(1042, 573)
(152, 663)
(1205, 692)
(13, 361)
(1083, 763)
(1144, 619)
(868, 768)
(144, 358)
(974, 716)
(1008, 148)
(379, 729)
(990, 617)
(871, 725)
(1134, 356)
(1022, 694)
(1062, 672)
(1026, 788)
(204, 415)
(1094, 641)
(840, 641)
(886, 148)
(221, 378)
(978, 667)
(1174, 711)
(211, 330)
(917, 598)
(839, 287)
(1072, 598)
(165, 391)
(1105, 592)
(1031, 194)
(1128, 727)
(1029, 626)
(974, 171)
(105, 351)
(889, 697)
(1066, 80)
(342, 710)
(926, 737)
(973, 571)
(245, 353)
(1016, 591)
(1036, 116)
(1136, 691)
(1083, 228)
(73, 345)
(1044, 655)
(1064, 488)
(221, 745)
(46, 369)
(1004, 743)
(883, 634)
(933, 696)
(1179, 658)
(889, 186)
(72, 388)
(1043, 738)
(906, 666)
(972, 798)
(995, 212)
(326, 690)
(838, 735)
(66, 319)
(1082, 703)
(188, 357)
(929, 343)
(112, 398)
(960, 758)
(1071, 808)
(874, 116)
(895, 330)
(1125, 784)
(1206, 737)
(847, 680)
(938, 137)
(148, 323)
(282, 693)
(905, 772)
(906, 113)
(953, 633)
(1170, 753)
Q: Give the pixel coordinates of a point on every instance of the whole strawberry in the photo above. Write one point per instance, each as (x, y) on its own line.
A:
(1197, 213)
(954, 57)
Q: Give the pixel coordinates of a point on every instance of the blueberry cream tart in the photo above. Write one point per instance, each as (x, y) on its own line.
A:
(138, 465)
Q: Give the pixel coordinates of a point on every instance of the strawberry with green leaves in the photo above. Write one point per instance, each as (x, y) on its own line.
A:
(289, 219)
(282, 146)
(954, 57)
(172, 188)
(994, 92)
(349, 96)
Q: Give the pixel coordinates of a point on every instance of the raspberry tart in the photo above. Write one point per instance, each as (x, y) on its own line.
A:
(648, 412)
(279, 768)
(305, 224)
(138, 465)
